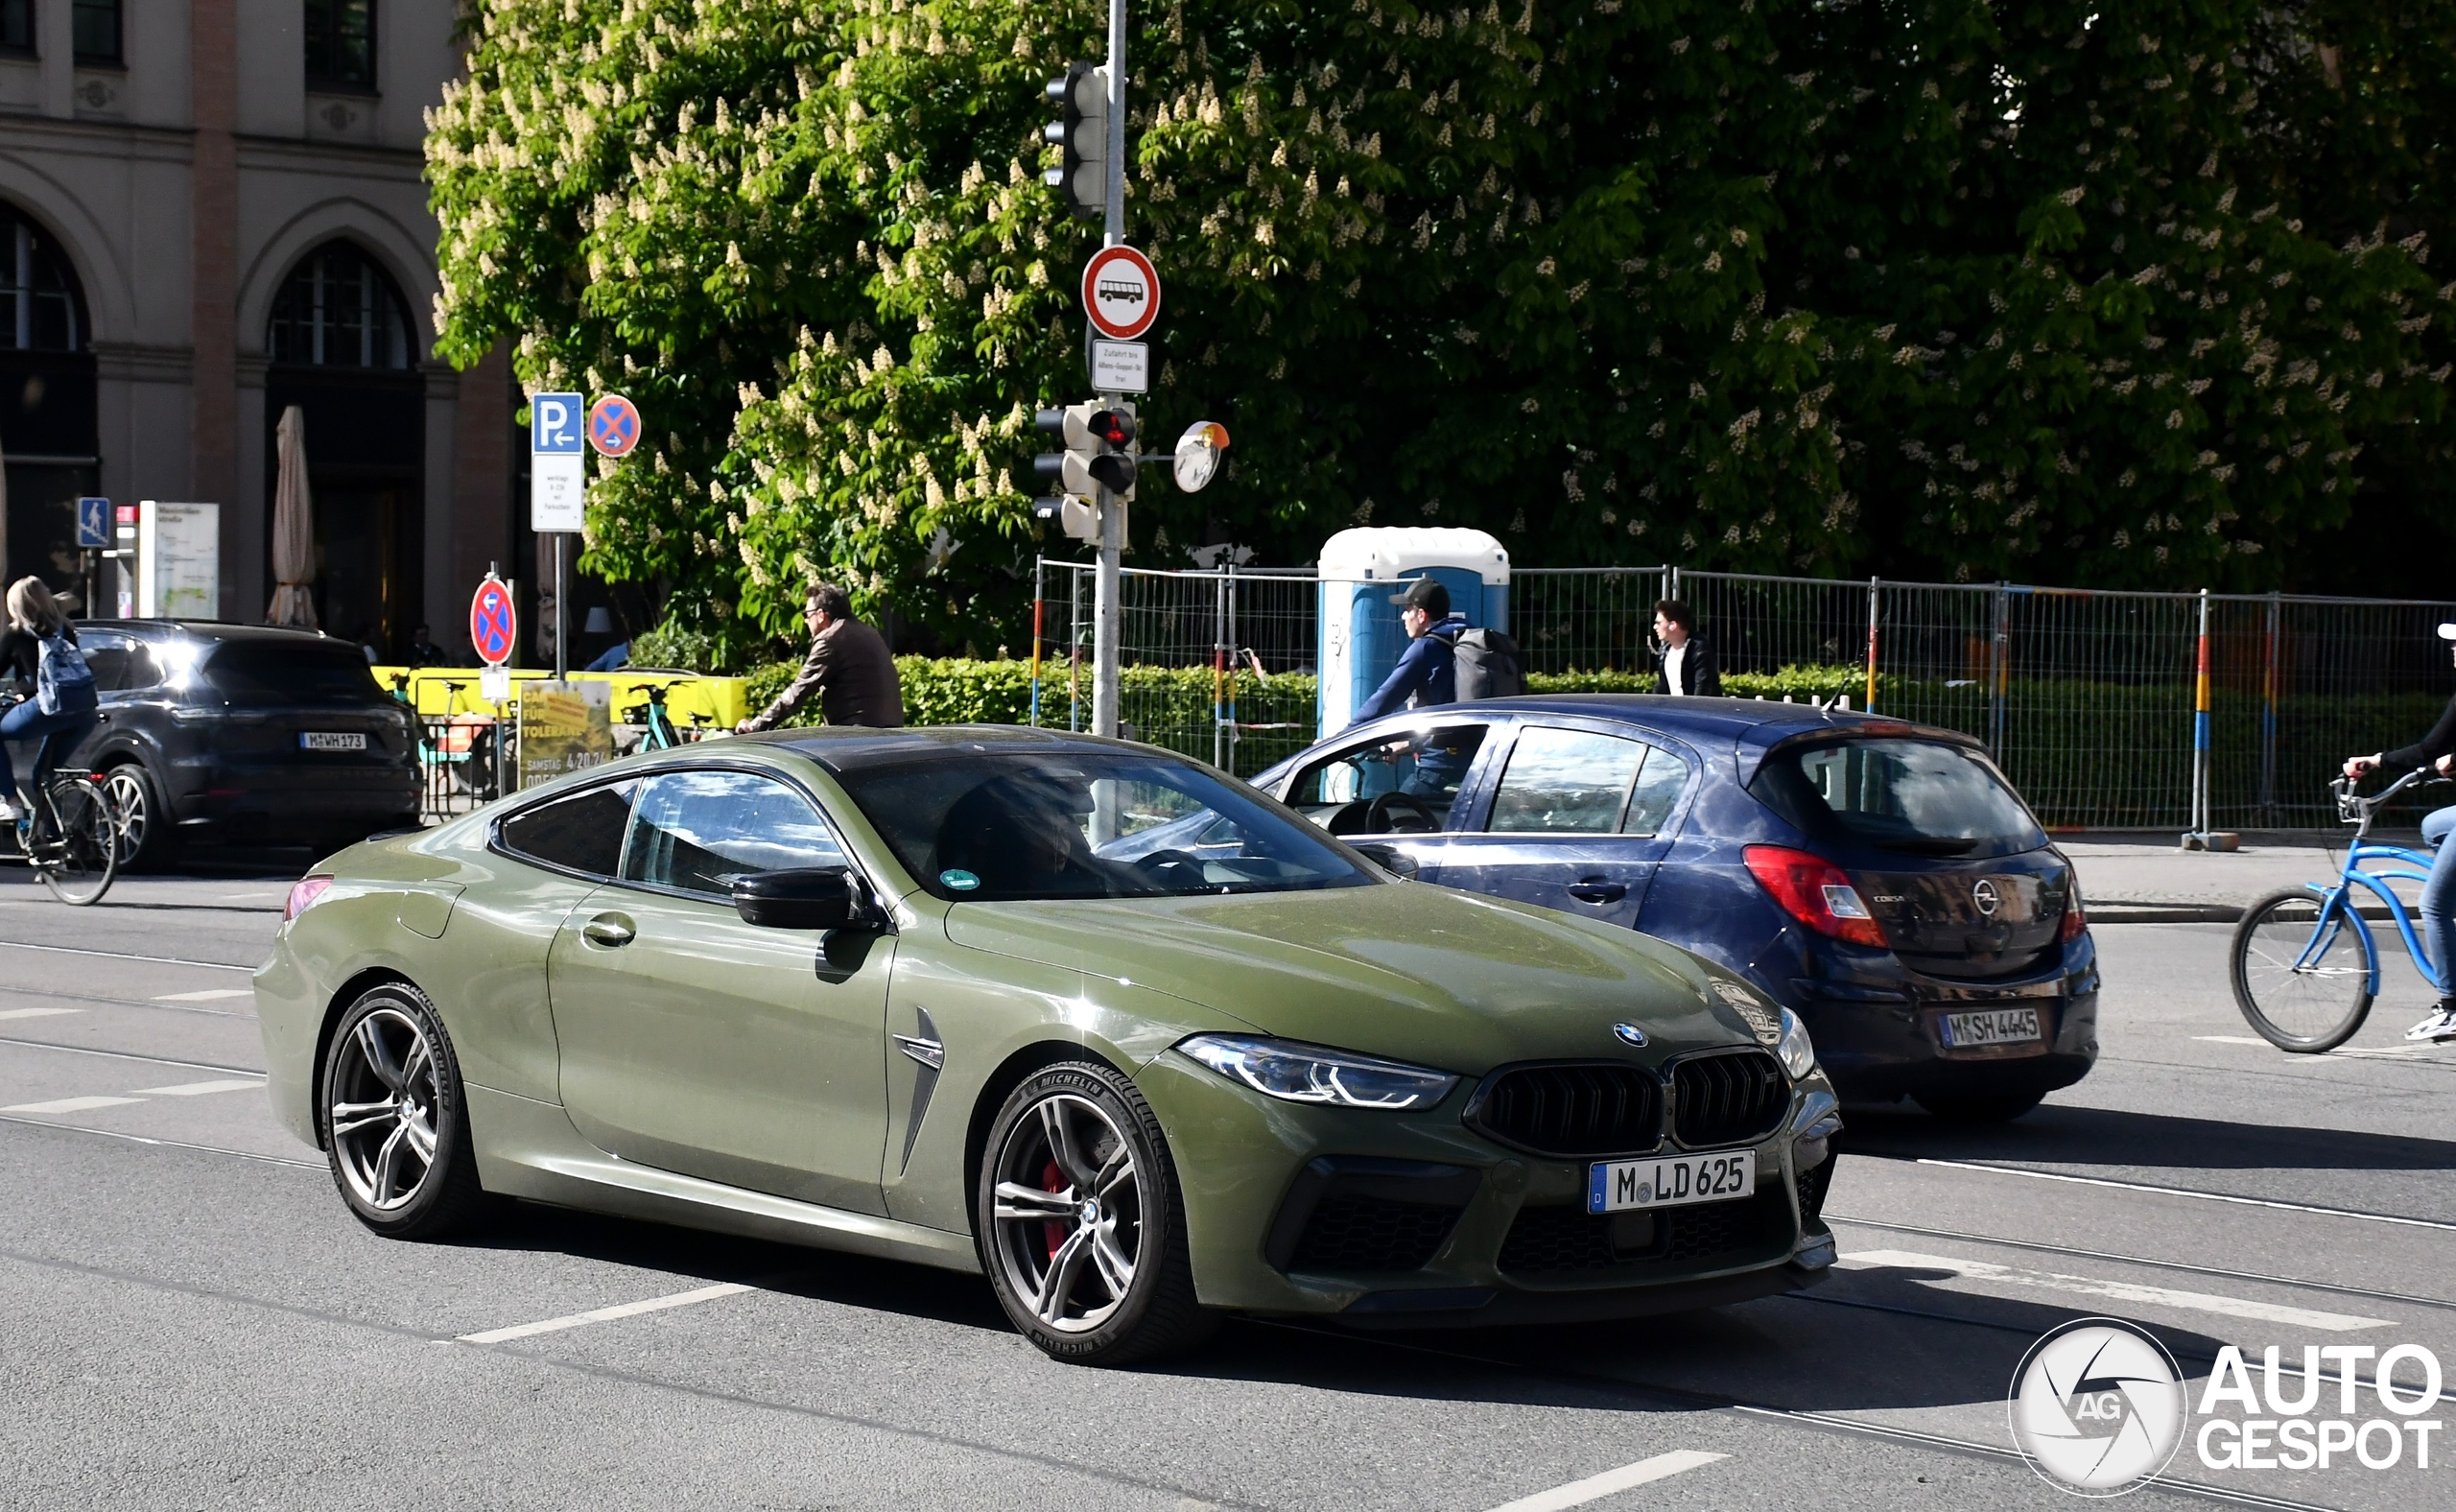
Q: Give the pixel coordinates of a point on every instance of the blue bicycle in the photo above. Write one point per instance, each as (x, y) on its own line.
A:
(2305, 964)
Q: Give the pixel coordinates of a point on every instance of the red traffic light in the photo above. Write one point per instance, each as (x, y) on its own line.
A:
(1114, 427)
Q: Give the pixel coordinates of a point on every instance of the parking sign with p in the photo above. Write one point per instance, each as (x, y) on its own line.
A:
(557, 464)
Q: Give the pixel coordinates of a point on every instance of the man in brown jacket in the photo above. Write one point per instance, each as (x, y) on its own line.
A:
(848, 666)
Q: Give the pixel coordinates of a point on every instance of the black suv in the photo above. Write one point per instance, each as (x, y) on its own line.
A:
(244, 734)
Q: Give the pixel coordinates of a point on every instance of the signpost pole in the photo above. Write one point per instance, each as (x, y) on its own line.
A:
(1105, 611)
(563, 617)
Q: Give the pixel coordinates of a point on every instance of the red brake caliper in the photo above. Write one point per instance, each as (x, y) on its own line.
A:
(1053, 1233)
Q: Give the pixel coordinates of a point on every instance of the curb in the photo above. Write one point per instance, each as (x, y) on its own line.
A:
(2166, 912)
(2192, 912)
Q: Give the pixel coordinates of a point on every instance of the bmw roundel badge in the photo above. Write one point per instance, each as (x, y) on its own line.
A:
(1629, 1034)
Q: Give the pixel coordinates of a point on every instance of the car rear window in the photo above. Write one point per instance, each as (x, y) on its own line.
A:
(270, 673)
(582, 833)
(1920, 797)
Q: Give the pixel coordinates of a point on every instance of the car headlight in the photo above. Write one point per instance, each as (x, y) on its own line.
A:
(1798, 1056)
(1298, 1073)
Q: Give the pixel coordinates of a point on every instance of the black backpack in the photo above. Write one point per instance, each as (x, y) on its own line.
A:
(1487, 666)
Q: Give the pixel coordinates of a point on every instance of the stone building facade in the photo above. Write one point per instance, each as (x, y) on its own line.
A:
(211, 210)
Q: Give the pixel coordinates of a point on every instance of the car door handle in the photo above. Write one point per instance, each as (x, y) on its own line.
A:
(608, 929)
(1598, 891)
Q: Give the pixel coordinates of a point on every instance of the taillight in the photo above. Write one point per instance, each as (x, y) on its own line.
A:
(2074, 919)
(303, 894)
(1816, 892)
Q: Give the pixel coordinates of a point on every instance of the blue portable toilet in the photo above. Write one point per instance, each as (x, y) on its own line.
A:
(1360, 634)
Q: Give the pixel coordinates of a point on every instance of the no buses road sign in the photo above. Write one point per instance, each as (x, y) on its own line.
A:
(494, 622)
(557, 465)
(1120, 292)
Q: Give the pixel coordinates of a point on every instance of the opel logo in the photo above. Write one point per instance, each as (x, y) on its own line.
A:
(1629, 1034)
(1984, 897)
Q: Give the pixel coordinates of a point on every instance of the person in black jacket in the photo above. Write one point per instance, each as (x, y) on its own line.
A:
(2439, 894)
(1685, 662)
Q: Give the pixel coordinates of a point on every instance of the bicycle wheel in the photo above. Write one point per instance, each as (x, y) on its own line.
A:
(2302, 976)
(78, 863)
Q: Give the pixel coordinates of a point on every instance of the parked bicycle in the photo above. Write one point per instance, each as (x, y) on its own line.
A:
(2307, 966)
(656, 723)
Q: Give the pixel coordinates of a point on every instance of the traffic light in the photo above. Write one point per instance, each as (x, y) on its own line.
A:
(1081, 130)
(1100, 448)
(1073, 518)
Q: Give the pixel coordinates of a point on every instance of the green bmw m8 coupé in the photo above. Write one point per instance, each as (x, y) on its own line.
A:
(921, 994)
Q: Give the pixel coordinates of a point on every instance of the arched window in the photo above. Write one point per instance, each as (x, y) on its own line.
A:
(39, 305)
(339, 309)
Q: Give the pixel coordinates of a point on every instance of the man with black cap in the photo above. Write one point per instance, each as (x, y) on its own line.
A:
(1427, 669)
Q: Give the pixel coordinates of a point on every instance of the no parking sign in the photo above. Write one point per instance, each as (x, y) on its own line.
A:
(494, 622)
(613, 426)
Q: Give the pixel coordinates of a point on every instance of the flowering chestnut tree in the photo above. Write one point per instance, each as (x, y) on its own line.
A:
(2044, 289)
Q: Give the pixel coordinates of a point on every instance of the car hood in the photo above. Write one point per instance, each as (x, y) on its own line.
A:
(1409, 971)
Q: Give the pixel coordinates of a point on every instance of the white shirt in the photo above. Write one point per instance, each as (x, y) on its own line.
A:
(1673, 658)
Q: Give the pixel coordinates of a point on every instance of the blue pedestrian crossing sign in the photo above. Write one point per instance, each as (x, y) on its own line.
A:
(93, 524)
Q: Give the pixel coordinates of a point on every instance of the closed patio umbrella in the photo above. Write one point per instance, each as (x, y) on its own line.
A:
(293, 527)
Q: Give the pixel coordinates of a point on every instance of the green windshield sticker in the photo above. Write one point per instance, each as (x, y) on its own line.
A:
(960, 881)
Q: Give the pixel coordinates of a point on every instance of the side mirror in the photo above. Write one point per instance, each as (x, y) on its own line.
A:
(798, 898)
(1389, 858)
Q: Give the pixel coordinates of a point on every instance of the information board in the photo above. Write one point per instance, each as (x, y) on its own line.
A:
(564, 727)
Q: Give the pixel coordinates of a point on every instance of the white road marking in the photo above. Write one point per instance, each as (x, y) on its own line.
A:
(2113, 1291)
(628, 1309)
(1594, 1488)
(197, 1089)
(2382, 1052)
(71, 1105)
(208, 995)
(38, 1014)
(2186, 1192)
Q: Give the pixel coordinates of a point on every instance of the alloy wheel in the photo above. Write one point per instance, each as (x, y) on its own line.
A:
(131, 817)
(1068, 1215)
(384, 1100)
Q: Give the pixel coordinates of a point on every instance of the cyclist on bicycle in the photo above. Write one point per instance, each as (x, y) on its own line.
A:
(2439, 894)
(39, 649)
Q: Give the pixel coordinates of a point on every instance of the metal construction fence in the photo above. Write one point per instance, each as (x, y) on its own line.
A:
(2112, 710)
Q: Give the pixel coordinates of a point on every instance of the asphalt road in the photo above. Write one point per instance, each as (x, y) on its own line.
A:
(189, 1318)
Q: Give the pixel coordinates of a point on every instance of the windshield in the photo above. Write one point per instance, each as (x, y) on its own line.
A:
(1089, 824)
(1918, 796)
(270, 673)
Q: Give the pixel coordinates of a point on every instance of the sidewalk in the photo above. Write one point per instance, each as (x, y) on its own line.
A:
(2148, 876)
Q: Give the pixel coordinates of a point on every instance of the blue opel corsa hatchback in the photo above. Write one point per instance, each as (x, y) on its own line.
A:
(1882, 879)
